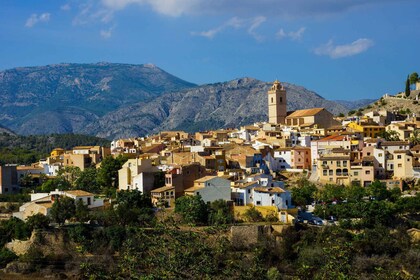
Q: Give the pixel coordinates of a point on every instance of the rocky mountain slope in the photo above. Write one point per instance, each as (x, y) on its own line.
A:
(66, 97)
(120, 100)
(230, 104)
(355, 104)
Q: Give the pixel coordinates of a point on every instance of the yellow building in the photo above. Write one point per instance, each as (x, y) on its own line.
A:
(368, 130)
(57, 152)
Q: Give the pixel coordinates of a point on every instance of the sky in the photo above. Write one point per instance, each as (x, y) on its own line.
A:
(341, 49)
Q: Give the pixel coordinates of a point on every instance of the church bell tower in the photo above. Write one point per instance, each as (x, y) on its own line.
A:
(277, 110)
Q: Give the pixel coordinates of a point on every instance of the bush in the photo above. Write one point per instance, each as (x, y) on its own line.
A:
(253, 215)
(6, 256)
(38, 221)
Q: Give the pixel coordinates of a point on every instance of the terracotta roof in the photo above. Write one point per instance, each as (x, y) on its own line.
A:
(79, 193)
(394, 143)
(332, 138)
(195, 188)
(204, 179)
(305, 112)
(270, 190)
(368, 158)
(162, 189)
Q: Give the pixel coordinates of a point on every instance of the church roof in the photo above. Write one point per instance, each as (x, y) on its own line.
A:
(305, 112)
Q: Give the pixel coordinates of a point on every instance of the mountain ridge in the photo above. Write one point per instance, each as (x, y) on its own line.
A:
(116, 99)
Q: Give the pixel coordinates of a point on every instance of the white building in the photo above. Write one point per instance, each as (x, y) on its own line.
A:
(211, 188)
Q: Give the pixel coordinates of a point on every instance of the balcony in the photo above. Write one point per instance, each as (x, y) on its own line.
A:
(325, 166)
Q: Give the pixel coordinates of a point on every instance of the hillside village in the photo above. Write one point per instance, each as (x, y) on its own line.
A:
(252, 165)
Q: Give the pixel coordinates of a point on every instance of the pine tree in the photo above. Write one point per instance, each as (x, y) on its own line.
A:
(407, 87)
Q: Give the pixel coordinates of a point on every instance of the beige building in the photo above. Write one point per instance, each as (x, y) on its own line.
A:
(137, 174)
(403, 165)
(277, 110)
(311, 118)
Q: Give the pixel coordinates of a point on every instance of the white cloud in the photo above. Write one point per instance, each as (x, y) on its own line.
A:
(338, 51)
(247, 8)
(107, 33)
(293, 35)
(91, 12)
(34, 19)
(235, 22)
(166, 7)
(256, 22)
(65, 7)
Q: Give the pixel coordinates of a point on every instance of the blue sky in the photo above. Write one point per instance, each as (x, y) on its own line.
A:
(342, 49)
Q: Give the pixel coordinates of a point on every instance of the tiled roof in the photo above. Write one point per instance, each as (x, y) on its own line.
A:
(79, 193)
(305, 112)
(270, 190)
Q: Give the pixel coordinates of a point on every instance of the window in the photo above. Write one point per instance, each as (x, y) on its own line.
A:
(281, 100)
(272, 101)
(356, 173)
(399, 165)
(380, 155)
(330, 172)
(324, 172)
(198, 193)
(367, 172)
(249, 191)
(258, 202)
(398, 156)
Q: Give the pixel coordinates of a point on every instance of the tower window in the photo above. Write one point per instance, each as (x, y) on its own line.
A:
(281, 100)
(272, 100)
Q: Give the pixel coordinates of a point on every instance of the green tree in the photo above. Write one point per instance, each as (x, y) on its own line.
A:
(38, 221)
(53, 184)
(81, 212)
(220, 213)
(378, 191)
(108, 172)
(415, 137)
(303, 193)
(407, 87)
(134, 208)
(70, 174)
(87, 180)
(390, 135)
(192, 209)
(414, 78)
(331, 193)
(63, 209)
(341, 115)
(253, 215)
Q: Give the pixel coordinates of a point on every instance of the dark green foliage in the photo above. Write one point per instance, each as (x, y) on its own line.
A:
(53, 184)
(253, 215)
(107, 175)
(192, 209)
(82, 212)
(63, 209)
(390, 135)
(414, 78)
(6, 256)
(13, 228)
(88, 181)
(220, 213)
(134, 208)
(407, 87)
(38, 221)
(15, 198)
(29, 149)
(351, 112)
(303, 192)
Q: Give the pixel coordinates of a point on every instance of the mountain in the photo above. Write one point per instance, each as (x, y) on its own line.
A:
(4, 130)
(119, 100)
(230, 104)
(355, 104)
(66, 97)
